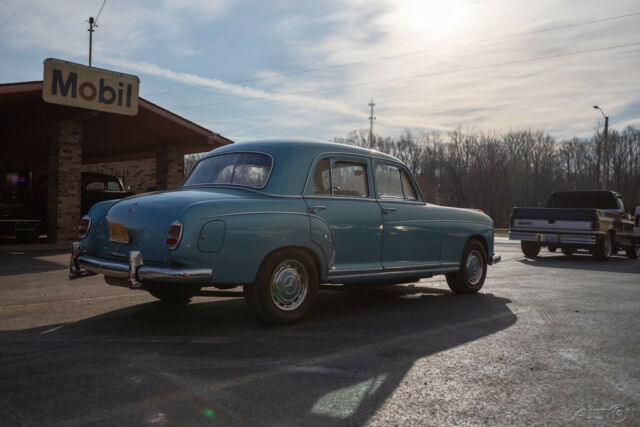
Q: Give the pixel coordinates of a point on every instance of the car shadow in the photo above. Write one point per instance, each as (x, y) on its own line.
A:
(584, 261)
(210, 360)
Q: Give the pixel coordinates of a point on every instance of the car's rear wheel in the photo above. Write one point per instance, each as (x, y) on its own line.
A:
(604, 247)
(285, 289)
(530, 249)
(633, 253)
(473, 270)
(172, 294)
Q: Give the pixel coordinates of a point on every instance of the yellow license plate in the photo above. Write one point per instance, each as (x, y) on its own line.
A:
(118, 233)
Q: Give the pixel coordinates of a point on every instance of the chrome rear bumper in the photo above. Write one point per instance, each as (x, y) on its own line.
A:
(558, 238)
(135, 272)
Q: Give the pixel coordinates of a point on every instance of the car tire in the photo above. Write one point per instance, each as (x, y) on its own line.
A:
(552, 248)
(285, 289)
(530, 249)
(171, 294)
(604, 247)
(633, 253)
(473, 270)
(568, 251)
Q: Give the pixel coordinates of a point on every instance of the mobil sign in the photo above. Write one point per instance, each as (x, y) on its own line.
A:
(76, 85)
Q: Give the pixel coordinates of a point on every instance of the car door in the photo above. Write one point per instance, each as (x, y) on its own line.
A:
(411, 236)
(339, 191)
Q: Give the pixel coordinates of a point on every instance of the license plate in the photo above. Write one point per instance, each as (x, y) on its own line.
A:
(550, 238)
(118, 233)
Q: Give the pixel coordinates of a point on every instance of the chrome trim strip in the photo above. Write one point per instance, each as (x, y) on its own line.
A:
(394, 273)
(421, 266)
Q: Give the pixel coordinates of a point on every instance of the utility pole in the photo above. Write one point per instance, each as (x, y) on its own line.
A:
(371, 119)
(92, 25)
(605, 148)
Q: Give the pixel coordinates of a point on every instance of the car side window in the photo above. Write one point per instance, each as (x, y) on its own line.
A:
(322, 177)
(95, 186)
(113, 186)
(394, 183)
(388, 182)
(407, 187)
(339, 177)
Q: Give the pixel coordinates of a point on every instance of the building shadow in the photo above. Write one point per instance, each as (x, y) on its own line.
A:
(210, 361)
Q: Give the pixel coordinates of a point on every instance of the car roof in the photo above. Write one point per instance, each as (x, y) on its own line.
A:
(308, 147)
(298, 155)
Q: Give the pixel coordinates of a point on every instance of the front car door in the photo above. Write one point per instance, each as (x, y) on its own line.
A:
(339, 191)
(411, 236)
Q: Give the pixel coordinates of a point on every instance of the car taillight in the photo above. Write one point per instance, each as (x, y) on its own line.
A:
(174, 235)
(595, 226)
(83, 226)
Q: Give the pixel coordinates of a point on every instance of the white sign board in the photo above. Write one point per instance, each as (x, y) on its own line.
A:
(77, 85)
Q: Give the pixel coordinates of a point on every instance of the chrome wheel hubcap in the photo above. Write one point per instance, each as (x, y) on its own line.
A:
(474, 267)
(289, 285)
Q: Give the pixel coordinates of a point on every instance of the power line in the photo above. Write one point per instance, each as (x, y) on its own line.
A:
(416, 76)
(100, 11)
(416, 52)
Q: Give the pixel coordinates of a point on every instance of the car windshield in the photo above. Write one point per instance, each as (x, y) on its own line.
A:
(246, 169)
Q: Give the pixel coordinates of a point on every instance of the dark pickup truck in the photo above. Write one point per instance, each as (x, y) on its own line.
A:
(578, 220)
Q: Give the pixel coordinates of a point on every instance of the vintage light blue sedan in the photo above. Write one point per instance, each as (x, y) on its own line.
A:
(279, 218)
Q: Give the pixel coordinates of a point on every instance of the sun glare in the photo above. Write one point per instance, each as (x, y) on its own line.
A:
(431, 18)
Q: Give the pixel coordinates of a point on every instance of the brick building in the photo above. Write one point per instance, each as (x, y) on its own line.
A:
(54, 144)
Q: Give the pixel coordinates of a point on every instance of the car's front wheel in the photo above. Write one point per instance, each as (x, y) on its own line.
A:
(172, 294)
(473, 270)
(285, 289)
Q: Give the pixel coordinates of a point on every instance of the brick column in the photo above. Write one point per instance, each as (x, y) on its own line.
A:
(63, 193)
(169, 167)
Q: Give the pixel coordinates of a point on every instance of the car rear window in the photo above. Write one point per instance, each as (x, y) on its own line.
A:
(245, 169)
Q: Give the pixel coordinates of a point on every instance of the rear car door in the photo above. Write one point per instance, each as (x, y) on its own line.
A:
(339, 191)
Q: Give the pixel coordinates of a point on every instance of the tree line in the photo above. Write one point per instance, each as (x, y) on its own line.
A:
(495, 171)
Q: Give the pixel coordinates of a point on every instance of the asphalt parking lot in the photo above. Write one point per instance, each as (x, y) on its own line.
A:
(549, 341)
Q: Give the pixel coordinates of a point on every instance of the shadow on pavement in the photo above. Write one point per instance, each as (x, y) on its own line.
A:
(17, 261)
(584, 261)
(208, 362)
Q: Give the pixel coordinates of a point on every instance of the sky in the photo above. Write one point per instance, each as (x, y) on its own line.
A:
(308, 69)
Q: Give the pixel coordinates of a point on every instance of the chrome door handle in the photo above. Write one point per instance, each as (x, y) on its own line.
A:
(386, 211)
(315, 209)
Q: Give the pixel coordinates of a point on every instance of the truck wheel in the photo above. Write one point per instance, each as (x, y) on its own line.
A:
(530, 249)
(473, 270)
(604, 247)
(633, 253)
(172, 294)
(568, 251)
(552, 248)
(285, 289)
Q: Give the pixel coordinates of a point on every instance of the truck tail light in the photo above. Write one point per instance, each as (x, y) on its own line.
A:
(174, 235)
(595, 226)
(83, 226)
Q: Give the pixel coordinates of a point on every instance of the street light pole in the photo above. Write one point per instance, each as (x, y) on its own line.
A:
(605, 167)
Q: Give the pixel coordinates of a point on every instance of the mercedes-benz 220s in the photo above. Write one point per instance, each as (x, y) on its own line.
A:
(279, 218)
